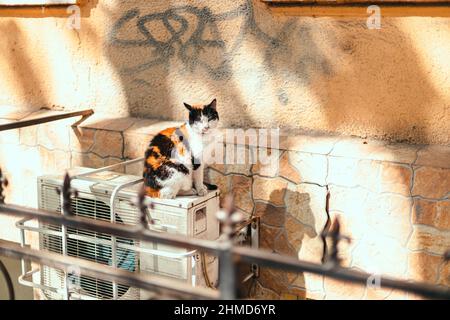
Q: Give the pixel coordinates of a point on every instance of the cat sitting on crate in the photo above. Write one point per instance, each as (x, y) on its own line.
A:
(173, 160)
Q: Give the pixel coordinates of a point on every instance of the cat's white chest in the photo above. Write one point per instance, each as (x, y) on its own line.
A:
(199, 144)
(196, 145)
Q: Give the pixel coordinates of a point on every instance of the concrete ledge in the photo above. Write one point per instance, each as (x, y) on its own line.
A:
(133, 129)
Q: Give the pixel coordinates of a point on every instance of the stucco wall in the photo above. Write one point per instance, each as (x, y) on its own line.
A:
(144, 58)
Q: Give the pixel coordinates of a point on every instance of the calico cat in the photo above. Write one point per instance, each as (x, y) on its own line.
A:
(173, 160)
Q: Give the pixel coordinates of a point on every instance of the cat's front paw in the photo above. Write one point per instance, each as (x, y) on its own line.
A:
(202, 191)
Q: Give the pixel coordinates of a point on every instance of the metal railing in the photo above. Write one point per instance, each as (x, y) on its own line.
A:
(44, 119)
(228, 253)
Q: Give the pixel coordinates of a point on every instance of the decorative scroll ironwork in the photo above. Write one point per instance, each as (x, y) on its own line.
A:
(229, 216)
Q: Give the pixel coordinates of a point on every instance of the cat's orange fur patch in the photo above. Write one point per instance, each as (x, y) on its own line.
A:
(157, 150)
(153, 162)
(168, 132)
(180, 149)
(151, 192)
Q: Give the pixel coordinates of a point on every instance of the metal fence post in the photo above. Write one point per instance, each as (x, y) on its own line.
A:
(227, 276)
(227, 265)
(3, 183)
(66, 192)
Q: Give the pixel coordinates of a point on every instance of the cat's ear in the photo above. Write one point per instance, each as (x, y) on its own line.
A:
(189, 107)
(213, 104)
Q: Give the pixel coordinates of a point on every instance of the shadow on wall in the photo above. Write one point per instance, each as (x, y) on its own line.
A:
(25, 61)
(381, 83)
(283, 233)
(329, 75)
(303, 73)
(14, 268)
(181, 55)
(188, 52)
(16, 57)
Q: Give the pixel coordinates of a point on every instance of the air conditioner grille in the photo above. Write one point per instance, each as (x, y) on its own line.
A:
(92, 246)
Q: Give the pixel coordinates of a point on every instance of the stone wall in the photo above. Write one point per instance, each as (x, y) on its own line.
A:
(313, 73)
(392, 199)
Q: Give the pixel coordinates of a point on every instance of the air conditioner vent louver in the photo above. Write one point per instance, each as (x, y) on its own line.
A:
(92, 246)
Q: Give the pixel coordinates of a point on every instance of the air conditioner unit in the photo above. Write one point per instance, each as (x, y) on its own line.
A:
(107, 195)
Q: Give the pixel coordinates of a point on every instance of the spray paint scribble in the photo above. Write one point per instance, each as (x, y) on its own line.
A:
(176, 24)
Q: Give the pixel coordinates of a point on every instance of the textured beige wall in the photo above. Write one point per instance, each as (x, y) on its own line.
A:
(144, 58)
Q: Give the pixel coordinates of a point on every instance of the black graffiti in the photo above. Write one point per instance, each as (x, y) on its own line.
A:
(188, 50)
